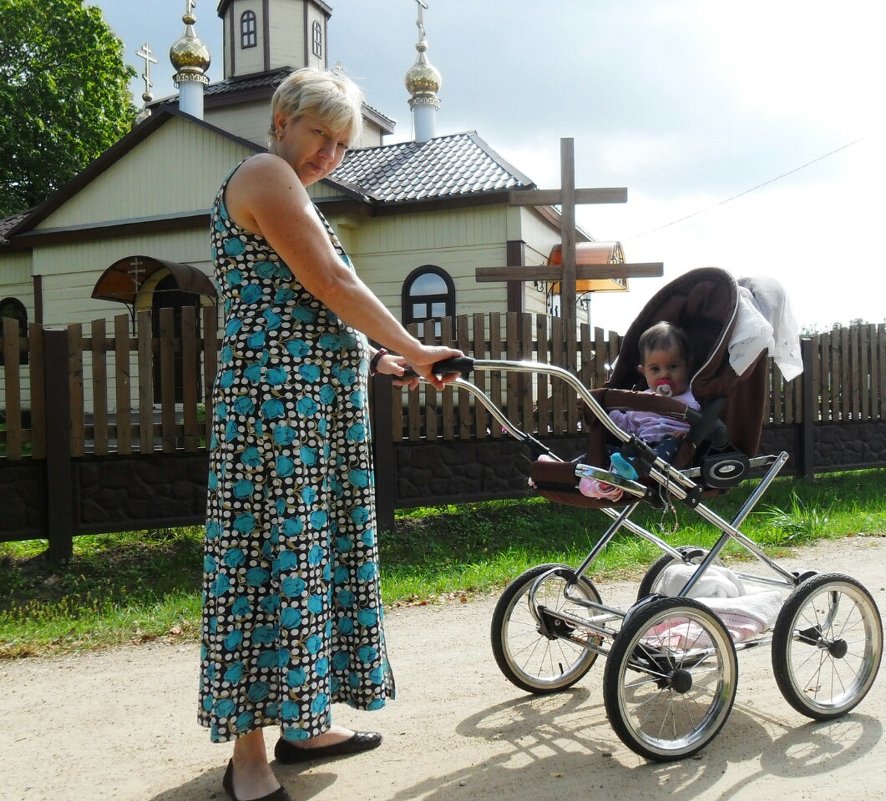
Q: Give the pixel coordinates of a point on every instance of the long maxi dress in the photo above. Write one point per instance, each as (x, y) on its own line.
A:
(292, 615)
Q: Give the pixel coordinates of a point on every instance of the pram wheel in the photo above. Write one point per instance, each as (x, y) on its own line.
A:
(670, 678)
(531, 660)
(826, 646)
(649, 584)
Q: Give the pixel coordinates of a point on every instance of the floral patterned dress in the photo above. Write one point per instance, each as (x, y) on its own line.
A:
(292, 615)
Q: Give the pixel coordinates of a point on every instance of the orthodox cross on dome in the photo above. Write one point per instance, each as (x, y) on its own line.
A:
(148, 55)
(192, 4)
(422, 5)
(568, 272)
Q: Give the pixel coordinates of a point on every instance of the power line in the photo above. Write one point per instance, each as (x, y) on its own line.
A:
(747, 191)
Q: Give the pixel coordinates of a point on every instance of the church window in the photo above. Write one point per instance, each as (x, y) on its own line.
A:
(428, 295)
(248, 30)
(317, 39)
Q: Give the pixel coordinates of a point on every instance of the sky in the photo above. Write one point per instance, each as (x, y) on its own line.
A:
(749, 136)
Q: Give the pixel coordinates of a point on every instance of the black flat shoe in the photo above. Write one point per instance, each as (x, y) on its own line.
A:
(228, 783)
(287, 753)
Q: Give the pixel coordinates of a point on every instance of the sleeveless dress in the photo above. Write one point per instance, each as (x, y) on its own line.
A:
(292, 614)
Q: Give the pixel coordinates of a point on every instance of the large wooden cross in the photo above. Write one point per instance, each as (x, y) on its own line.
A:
(568, 272)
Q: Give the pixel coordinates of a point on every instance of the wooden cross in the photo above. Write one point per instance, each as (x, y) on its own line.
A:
(567, 273)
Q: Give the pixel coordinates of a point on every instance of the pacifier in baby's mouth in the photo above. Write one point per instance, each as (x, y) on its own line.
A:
(665, 388)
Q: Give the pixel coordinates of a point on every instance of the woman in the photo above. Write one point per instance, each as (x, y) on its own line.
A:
(292, 617)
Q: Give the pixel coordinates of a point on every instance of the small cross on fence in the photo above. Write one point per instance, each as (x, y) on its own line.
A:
(567, 274)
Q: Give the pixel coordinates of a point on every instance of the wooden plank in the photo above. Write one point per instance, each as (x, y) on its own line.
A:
(846, 374)
(496, 349)
(557, 356)
(190, 381)
(12, 390)
(855, 375)
(447, 401)
(827, 378)
(512, 405)
(431, 399)
(570, 396)
(864, 346)
(601, 355)
(479, 351)
(463, 343)
(167, 379)
(554, 197)
(881, 359)
(145, 383)
(99, 387)
(652, 269)
(122, 384)
(529, 421)
(37, 362)
(585, 362)
(78, 416)
(210, 363)
(543, 391)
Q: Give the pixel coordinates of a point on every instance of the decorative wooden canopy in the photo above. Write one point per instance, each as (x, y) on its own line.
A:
(591, 253)
(122, 281)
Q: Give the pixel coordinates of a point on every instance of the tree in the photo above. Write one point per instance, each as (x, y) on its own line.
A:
(64, 96)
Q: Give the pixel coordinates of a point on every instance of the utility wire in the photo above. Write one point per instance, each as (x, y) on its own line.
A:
(747, 191)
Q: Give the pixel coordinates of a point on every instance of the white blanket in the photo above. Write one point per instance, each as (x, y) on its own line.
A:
(744, 614)
(765, 321)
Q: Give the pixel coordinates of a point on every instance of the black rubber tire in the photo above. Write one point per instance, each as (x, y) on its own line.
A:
(665, 701)
(516, 640)
(827, 645)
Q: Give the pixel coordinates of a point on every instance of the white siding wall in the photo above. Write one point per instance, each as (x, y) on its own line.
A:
(177, 169)
(386, 250)
(251, 59)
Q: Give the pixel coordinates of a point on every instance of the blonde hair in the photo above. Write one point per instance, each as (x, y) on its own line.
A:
(329, 95)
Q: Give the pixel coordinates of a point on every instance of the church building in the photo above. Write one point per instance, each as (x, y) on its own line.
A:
(417, 217)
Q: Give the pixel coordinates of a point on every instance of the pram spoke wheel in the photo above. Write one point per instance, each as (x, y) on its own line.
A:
(649, 584)
(530, 659)
(826, 646)
(670, 678)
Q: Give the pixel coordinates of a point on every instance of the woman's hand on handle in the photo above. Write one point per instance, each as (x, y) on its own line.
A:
(424, 363)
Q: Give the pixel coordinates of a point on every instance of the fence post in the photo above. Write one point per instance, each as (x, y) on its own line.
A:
(59, 481)
(380, 412)
(807, 447)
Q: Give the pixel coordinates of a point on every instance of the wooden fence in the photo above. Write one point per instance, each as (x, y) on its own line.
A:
(84, 392)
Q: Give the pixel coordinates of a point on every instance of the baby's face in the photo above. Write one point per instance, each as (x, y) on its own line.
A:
(665, 371)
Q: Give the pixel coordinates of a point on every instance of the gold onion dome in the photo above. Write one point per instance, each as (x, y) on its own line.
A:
(423, 78)
(189, 56)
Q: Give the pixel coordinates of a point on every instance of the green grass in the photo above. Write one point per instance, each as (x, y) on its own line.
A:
(130, 588)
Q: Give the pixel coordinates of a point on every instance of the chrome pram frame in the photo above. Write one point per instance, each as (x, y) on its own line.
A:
(671, 663)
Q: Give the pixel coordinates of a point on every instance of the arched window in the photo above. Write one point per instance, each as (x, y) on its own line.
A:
(14, 308)
(317, 39)
(248, 30)
(428, 294)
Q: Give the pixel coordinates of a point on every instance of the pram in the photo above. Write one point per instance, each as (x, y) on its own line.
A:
(671, 667)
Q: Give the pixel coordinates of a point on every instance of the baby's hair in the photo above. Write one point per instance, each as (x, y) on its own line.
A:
(663, 336)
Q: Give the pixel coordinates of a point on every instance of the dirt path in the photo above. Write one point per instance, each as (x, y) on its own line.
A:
(121, 725)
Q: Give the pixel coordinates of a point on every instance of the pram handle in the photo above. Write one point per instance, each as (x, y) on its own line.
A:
(458, 364)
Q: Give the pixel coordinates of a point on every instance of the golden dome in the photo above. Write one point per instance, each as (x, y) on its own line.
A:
(423, 77)
(189, 56)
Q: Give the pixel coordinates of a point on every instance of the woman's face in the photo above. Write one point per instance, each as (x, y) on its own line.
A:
(310, 146)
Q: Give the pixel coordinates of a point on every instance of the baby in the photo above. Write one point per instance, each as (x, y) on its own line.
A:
(664, 354)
